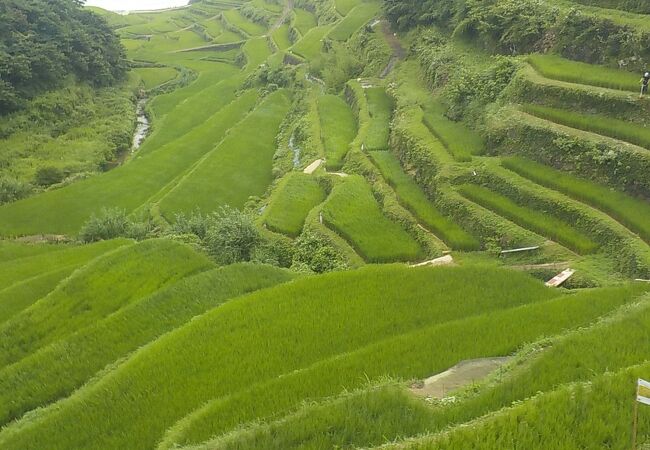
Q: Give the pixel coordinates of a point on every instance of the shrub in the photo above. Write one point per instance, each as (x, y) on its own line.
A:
(314, 253)
(12, 189)
(112, 223)
(47, 176)
(231, 236)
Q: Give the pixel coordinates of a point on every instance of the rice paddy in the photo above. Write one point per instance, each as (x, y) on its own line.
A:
(155, 343)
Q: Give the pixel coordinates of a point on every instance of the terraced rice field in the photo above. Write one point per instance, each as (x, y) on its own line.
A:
(338, 129)
(153, 343)
(352, 211)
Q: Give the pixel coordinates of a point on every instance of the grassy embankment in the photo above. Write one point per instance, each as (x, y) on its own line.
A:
(541, 223)
(416, 201)
(631, 212)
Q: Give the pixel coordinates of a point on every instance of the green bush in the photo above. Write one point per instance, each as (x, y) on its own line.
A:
(12, 189)
(231, 236)
(314, 253)
(47, 176)
(112, 223)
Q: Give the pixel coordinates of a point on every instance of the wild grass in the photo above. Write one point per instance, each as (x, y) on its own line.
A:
(462, 142)
(338, 129)
(416, 201)
(269, 333)
(413, 355)
(558, 68)
(632, 212)
(304, 20)
(352, 211)
(65, 365)
(357, 18)
(155, 76)
(380, 108)
(295, 196)
(311, 44)
(537, 221)
(125, 275)
(618, 129)
(236, 169)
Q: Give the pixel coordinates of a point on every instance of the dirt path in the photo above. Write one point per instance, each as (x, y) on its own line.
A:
(461, 375)
(398, 51)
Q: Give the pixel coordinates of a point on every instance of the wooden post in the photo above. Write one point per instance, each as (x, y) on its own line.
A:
(636, 415)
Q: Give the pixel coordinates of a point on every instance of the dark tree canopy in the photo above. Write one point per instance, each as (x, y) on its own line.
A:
(43, 42)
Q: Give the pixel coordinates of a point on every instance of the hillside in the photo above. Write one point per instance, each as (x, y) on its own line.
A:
(325, 224)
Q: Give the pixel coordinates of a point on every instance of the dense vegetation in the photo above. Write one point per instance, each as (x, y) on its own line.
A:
(44, 42)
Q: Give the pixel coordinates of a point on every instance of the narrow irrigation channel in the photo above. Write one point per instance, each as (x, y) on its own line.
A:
(142, 127)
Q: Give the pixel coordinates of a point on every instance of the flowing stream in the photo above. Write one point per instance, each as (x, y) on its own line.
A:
(142, 128)
(295, 149)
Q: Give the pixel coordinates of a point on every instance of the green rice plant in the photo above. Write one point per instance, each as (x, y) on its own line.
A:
(257, 51)
(352, 211)
(304, 20)
(416, 201)
(127, 187)
(631, 212)
(242, 163)
(16, 270)
(413, 355)
(155, 76)
(268, 5)
(380, 109)
(620, 341)
(22, 294)
(273, 332)
(234, 17)
(290, 203)
(461, 142)
(65, 365)
(338, 129)
(618, 129)
(12, 250)
(192, 110)
(281, 37)
(558, 68)
(341, 422)
(95, 291)
(345, 6)
(539, 222)
(311, 44)
(357, 18)
(590, 415)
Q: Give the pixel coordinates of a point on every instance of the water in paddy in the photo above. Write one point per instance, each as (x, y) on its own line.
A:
(136, 5)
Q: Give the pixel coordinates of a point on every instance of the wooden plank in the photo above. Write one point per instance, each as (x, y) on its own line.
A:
(560, 278)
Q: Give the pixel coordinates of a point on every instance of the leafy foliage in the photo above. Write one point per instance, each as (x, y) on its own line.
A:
(42, 42)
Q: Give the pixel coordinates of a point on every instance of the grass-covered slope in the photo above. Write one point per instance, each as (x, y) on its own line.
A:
(255, 339)
(96, 291)
(63, 366)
